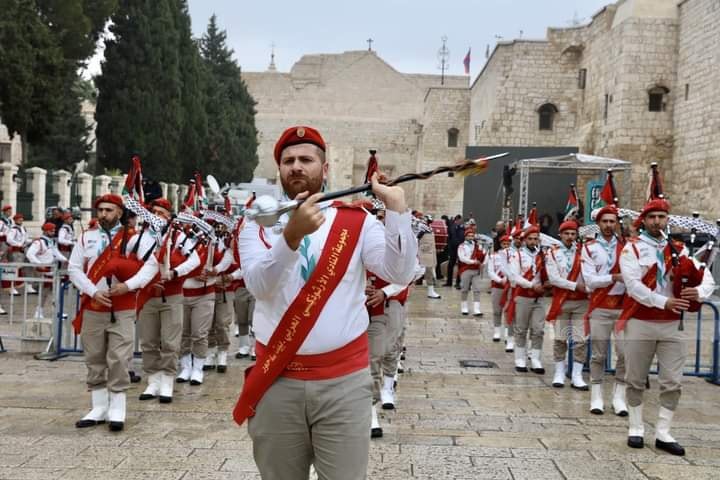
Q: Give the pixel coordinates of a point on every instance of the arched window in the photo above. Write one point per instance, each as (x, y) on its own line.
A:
(656, 99)
(453, 137)
(546, 115)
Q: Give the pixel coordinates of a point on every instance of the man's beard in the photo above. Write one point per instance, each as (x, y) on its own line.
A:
(296, 184)
(107, 224)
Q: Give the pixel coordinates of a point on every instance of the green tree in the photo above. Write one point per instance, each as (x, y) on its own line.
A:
(232, 139)
(139, 107)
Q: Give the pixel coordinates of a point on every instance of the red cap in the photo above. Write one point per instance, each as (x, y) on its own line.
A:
(505, 238)
(162, 203)
(657, 205)
(296, 136)
(7, 207)
(18, 216)
(48, 227)
(530, 230)
(607, 210)
(569, 225)
(67, 215)
(109, 198)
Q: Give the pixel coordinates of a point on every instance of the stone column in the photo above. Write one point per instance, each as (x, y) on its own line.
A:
(8, 187)
(102, 184)
(172, 195)
(61, 186)
(181, 194)
(84, 184)
(163, 189)
(116, 184)
(36, 178)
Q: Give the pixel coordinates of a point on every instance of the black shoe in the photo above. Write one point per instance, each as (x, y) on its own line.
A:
(208, 367)
(521, 369)
(539, 371)
(558, 385)
(447, 284)
(162, 399)
(134, 378)
(180, 380)
(146, 396)
(253, 357)
(241, 355)
(401, 370)
(673, 448)
(478, 314)
(376, 432)
(457, 287)
(636, 442)
(388, 406)
(597, 411)
(582, 389)
(195, 383)
(221, 368)
(88, 423)
(402, 356)
(116, 426)
(496, 340)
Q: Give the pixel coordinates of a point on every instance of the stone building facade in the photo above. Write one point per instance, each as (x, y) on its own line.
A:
(359, 102)
(636, 83)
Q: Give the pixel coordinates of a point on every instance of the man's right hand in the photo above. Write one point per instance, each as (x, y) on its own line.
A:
(376, 298)
(539, 288)
(617, 277)
(306, 219)
(103, 298)
(677, 305)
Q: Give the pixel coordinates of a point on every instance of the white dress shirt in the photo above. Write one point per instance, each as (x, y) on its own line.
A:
(66, 235)
(465, 252)
(274, 275)
(634, 268)
(598, 258)
(558, 264)
(17, 236)
(496, 266)
(521, 262)
(43, 251)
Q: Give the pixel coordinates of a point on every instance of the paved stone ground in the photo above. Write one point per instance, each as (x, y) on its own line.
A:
(451, 422)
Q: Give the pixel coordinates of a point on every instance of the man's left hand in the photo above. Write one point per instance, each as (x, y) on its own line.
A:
(392, 197)
(119, 289)
(690, 293)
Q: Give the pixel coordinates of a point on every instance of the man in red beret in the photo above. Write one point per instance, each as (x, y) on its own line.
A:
(309, 396)
(498, 280)
(470, 261)
(43, 251)
(568, 306)
(102, 269)
(528, 275)
(66, 234)
(653, 327)
(5, 223)
(18, 240)
(601, 272)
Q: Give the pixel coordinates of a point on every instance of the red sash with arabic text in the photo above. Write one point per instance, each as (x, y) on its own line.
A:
(560, 295)
(303, 312)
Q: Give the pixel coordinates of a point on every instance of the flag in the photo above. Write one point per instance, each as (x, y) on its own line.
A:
(228, 204)
(189, 202)
(607, 194)
(466, 62)
(532, 219)
(134, 182)
(572, 203)
(200, 192)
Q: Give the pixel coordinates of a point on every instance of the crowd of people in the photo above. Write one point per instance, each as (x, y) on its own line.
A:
(319, 300)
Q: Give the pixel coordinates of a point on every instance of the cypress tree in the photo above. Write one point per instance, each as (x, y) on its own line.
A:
(232, 139)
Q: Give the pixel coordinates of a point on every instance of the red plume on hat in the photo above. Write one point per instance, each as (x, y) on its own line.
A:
(227, 204)
(134, 181)
(517, 229)
(372, 166)
(532, 219)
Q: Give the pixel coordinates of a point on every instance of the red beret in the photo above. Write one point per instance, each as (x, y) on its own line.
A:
(531, 230)
(109, 198)
(7, 207)
(162, 203)
(67, 215)
(505, 238)
(607, 210)
(568, 225)
(657, 205)
(48, 226)
(18, 216)
(296, 136)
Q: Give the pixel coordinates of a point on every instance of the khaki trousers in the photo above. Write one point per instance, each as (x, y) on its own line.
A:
(643, 341)
(529, 315)
(244, 307)
(160, 327)
(107, 346)
(378, 345)
(394, 337)
(197, 318)
(430, 277)
(602, 327)
(495, 296)
(569, 324)
(320, 422)
(470, 280)
(219, 335)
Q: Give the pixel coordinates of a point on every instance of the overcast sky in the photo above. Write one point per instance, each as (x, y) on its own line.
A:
(406, 33)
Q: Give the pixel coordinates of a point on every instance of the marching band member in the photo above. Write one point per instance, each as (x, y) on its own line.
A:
(309, 397)
(498, 280)
(43, 251)
(66, 234)
(219, 333)
(470, 259)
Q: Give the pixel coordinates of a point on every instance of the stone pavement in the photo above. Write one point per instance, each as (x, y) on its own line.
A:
(450, 423)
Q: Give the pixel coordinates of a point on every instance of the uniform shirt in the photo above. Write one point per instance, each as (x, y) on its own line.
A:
(17, 236)
(226, 259)
(558, 263)
(66, 235)
(633, 270)
(5, 224)
(598, 258)
(43, 251)
(90, 246)
(440, 231)
(496, 266)
(465, 252)
(521, 262)
(274, 276)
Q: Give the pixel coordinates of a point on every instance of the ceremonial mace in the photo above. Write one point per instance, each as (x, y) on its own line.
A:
(266, 210)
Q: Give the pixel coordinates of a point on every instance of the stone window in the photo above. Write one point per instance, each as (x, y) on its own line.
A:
(546, 115)
(453, 137)
(656, 99)
(582, 78)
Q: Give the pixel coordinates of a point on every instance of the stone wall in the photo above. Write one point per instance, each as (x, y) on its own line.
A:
(695, 169)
